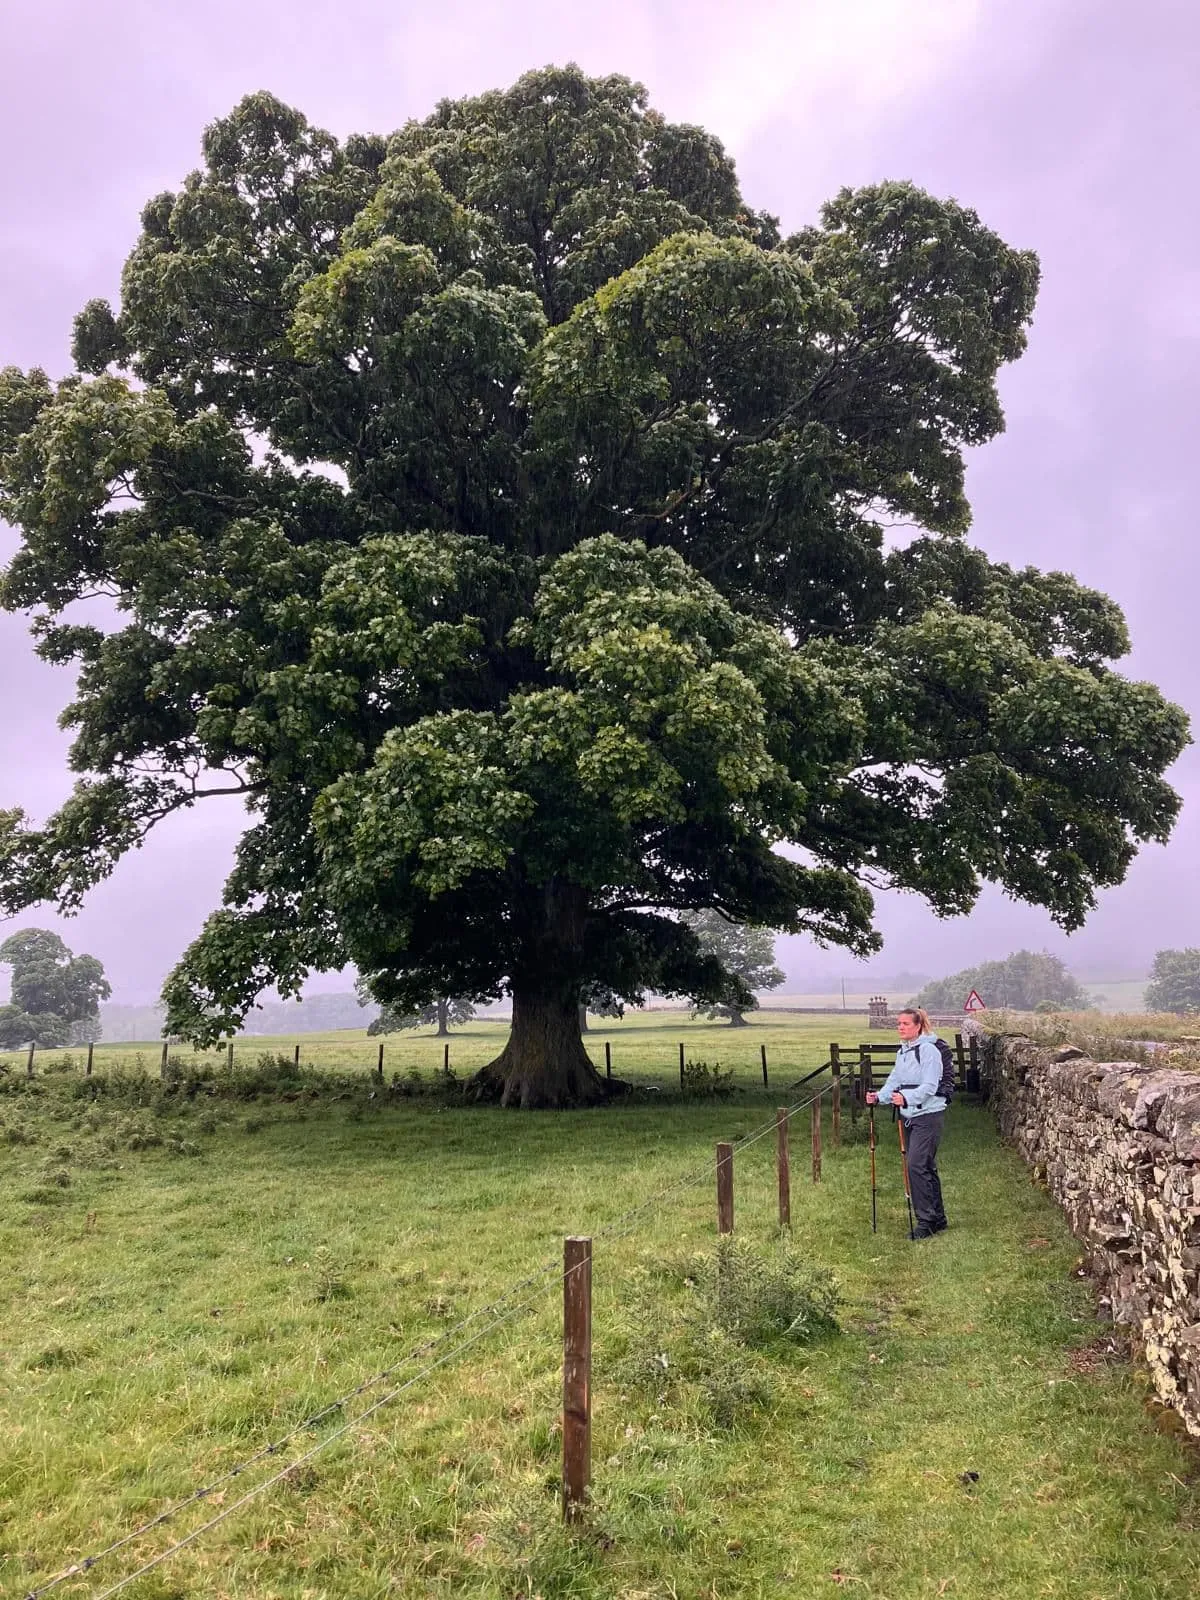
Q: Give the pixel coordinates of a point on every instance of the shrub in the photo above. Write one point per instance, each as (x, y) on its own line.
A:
(329, 1281)
(758, 1295)
(697, 1353)
(699, 1079)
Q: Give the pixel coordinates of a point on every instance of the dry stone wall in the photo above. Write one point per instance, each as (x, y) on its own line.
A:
(1118, 1146)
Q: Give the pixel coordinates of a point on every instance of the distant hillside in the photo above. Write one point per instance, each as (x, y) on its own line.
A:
(1118, 994)
(319, 1013)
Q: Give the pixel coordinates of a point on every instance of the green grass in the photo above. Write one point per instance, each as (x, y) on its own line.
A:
(1156, 1037)
(645, 1048)
(168, 1308)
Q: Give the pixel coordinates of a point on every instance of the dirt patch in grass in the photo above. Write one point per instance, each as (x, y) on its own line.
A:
(1108, 1349)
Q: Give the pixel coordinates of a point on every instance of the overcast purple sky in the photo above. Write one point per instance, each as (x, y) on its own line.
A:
(1072, 126)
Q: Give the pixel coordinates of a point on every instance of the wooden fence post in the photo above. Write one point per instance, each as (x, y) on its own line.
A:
(379, 1068)
(29, 1063)
(960, 1056)
(816, 1140)
(229, 1055)
(607, 1059)
(681, 1066)
(162, 1062)
(296, 1056)
(446, 1058)
(835, 1101)
(724, 1188)
(973, 1082)
(763, 1049)
(783, 1165)
(91, 1049)
(865, 1080)
(577, 1375)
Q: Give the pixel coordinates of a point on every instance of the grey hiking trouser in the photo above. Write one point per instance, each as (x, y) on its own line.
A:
(922, 1136)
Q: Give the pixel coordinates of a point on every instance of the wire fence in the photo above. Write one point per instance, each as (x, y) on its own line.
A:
(436, 1353)
(653, 1059)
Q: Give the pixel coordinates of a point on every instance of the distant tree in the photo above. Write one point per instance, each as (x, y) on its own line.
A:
(747, 959)
(1025, 981)
(19, 1028)
(1174, 982)
(446, 1012)
(55, 996)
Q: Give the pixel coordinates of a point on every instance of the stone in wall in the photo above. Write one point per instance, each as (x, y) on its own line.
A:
(1117, 1144)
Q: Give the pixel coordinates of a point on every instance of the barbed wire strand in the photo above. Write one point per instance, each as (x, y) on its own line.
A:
(551, 1268)
(338, 1433)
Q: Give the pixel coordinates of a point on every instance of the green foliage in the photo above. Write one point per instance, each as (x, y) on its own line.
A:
(1175, 982)
(747, 957)
(444, 1012)
(55, 996)
(600, 1001)
(596, 608)
(743, 1296)
(758, 1294)
(19, 1027)
(329, 1276)
(1024, 981)
(703, 1080)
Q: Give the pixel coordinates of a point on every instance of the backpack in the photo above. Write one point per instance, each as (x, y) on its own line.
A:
(946, 1084)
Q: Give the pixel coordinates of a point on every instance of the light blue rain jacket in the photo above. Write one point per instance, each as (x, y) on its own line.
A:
(916, 1076)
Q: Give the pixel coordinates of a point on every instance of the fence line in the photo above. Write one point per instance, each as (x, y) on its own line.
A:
(551, 1271)
(965, 1051)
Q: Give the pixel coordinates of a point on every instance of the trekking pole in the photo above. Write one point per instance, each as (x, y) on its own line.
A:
(904, 1167)
(871, 1141)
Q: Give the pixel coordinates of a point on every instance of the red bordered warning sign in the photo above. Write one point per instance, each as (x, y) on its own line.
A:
(974, 1002)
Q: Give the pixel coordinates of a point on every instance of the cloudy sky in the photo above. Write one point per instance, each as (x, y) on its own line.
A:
(1071, 126)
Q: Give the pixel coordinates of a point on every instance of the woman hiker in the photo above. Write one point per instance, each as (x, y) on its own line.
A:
(912, 1085)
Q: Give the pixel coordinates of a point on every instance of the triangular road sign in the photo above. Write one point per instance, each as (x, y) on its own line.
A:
(974, 1002)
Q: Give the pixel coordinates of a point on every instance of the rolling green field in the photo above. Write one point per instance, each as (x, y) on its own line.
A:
(190, 1270)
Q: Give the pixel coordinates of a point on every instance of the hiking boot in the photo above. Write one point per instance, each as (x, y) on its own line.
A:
(921, 1232)
(939, 1227)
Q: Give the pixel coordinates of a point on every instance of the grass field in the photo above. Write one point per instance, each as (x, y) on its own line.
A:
(644, 1046)
(190, 1270)
(1118, 994)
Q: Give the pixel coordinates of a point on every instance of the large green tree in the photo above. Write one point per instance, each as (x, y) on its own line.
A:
(1174, 982)
(55, 996)
(499, 509)
(1021, 982)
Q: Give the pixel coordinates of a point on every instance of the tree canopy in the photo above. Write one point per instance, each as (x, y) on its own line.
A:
(500, 509)
(1174, 982)
(1021, 982)
(55, 996)
(746, 954)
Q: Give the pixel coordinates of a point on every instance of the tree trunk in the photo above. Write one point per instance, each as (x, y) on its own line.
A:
(583, 1027)
(443, 1016)
(736, 1019)
(544, 1064)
